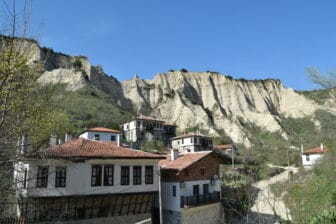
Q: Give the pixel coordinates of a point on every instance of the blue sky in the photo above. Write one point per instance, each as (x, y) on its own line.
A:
(242, 38)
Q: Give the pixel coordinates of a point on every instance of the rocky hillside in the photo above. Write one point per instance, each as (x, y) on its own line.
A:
(206, 100)
(213, 102)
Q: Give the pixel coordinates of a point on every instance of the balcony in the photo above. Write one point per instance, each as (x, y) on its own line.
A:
(197, 200)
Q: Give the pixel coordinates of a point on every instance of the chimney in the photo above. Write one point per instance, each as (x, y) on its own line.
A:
(23, 144)
(68, 137)
(118, 139)
(321, 146)
(174, 153)
(53, 140)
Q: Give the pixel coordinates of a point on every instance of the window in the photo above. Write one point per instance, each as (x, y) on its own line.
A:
(42, 176)
(60, 180)
(182, 140)
(138, 123)
(205, 189)
(191, 140)
(149, 175)
(174, 191)
(113, 138)
(108, 175)
(186, 172)
(25, 178)
(136, 175)
(202, 171)
(97, 137)
(178, 142)
(124, 175)
(96, 175)
(195, 140)
(307, 157)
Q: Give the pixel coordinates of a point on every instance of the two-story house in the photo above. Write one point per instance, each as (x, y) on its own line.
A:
(91, 177)
(190, 187)
(192, 142)
(143, 129)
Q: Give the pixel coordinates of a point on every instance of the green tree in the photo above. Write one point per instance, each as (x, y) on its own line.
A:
(77, 64)
(28, 111)
(325, 81)
(154, 146)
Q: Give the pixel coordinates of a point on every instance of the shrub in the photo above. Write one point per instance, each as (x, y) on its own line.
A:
(77, 64)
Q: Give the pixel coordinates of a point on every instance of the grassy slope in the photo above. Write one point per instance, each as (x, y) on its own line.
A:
(90, 107)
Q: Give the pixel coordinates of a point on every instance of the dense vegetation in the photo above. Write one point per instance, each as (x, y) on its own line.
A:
(90, 107)
(311, 196)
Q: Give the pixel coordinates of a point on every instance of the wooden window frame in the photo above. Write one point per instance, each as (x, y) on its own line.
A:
(149, 174)
(124, 175)
(108, 175)
(60, 177)
(96, 137)
(137, 175)
(96, 175)
(42, 177)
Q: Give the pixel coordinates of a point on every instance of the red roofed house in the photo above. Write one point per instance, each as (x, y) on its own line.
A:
(312, 156)
(190, 187)
(91, 177)
(192, 142)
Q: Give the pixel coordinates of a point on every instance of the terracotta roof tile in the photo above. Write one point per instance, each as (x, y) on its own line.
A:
(224, 147)
(183, 161)
(102, 129)
(317, 150)
(85, 148)
(189, 135)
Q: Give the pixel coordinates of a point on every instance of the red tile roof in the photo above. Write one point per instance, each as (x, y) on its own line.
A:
(190, 135)
(183, 161)
(85, 148)
(317, 150)
(224, 147)
(102, 129)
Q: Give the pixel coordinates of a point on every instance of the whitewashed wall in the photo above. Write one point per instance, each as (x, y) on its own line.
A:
(313, 159)
(188, 190)
(104, 136)
(78, 178)
(169, 202)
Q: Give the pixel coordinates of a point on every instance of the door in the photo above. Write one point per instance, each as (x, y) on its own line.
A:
(196, 193)
(206, 192)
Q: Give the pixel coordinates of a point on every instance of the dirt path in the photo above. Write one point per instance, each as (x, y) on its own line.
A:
(267, 208)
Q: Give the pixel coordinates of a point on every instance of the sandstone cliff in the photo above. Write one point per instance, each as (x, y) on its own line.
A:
(207, 100)
(213, 101)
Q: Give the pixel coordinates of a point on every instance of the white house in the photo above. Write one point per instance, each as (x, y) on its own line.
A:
(190, 187)
(91, 177)
(143, 128)
(192, 142)
(312, 156)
